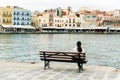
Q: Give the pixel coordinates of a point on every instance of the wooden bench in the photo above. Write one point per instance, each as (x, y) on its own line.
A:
(72, 57)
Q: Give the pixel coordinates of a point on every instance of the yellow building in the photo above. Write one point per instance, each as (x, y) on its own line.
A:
(6, 15)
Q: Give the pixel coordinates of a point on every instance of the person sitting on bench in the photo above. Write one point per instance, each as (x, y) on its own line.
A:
(79, 49)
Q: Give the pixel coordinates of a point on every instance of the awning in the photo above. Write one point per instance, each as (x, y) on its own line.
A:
(116, 28)
(27, 27)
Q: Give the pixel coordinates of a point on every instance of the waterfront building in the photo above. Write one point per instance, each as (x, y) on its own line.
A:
(103, 18)
(15, 19)
(116, 13)
(84, 18)
(43, 20)
(114, 22)
(1, 16)
(88, 18)
(21, 19)
(115, 19)
(35, 19)
(71, 20)
(59, 22)
(6, 15)
(21, 16)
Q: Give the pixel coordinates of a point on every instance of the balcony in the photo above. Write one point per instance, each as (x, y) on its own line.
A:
(7, 15)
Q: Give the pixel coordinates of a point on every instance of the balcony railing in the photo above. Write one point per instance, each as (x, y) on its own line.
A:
(7, 15)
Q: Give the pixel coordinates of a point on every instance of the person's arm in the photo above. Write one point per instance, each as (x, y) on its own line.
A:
(83, 51)
(74, 49)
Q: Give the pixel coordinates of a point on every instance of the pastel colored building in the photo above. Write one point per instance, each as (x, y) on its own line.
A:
(59, 22)
(103, 19)
(43, 20)
(15, 19)
(21, 16)
(115, 19)
(87, 18)
(116, 13)
(71, 20)
(6, 15)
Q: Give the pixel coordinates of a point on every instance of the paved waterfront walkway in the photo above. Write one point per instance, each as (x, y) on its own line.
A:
(59, 71)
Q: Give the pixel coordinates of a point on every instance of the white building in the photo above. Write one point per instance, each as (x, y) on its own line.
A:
(116, 14)
(21, 16)
(71, 20)
(87, 18)
(59, 22)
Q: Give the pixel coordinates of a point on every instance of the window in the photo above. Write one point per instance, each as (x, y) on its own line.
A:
(14, 18)
(17, 23)
(18, 18)
(73, 20)
(73, 24)
(51, 16)
(69, 20)
(18, 13)
(27, 14)
(27, 23)
(14, 23)
(3, 20)
(39, 20)
(88, 16)
(14, 13)
(22, 18)
(22, 13)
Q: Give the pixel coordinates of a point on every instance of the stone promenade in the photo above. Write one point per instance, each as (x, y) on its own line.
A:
(59, 71)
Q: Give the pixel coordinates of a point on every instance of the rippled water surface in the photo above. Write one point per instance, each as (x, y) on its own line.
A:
(101, 49)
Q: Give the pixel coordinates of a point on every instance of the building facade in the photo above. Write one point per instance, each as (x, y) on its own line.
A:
(115, 19)
(87, 18)
(21, 16)
(6, 15)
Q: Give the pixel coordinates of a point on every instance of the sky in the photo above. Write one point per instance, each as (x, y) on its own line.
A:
(41, 5)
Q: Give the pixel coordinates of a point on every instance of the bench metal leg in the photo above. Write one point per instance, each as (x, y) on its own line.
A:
(46, 64)
(80, 67)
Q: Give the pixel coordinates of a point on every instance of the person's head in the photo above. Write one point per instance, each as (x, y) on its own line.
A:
(79, 49)
(78, 43)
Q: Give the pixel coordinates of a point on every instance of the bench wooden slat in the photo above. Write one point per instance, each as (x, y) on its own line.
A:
(60, 60)
(50, 52)
(65, 54)
(61, 57)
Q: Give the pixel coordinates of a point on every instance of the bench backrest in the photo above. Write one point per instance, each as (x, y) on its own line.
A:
(61, 56)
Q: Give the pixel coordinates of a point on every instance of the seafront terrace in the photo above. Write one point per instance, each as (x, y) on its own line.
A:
(31, 29)
(81, 29)
(59, 71)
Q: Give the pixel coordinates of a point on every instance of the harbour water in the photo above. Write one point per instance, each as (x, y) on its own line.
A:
(101, 49)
